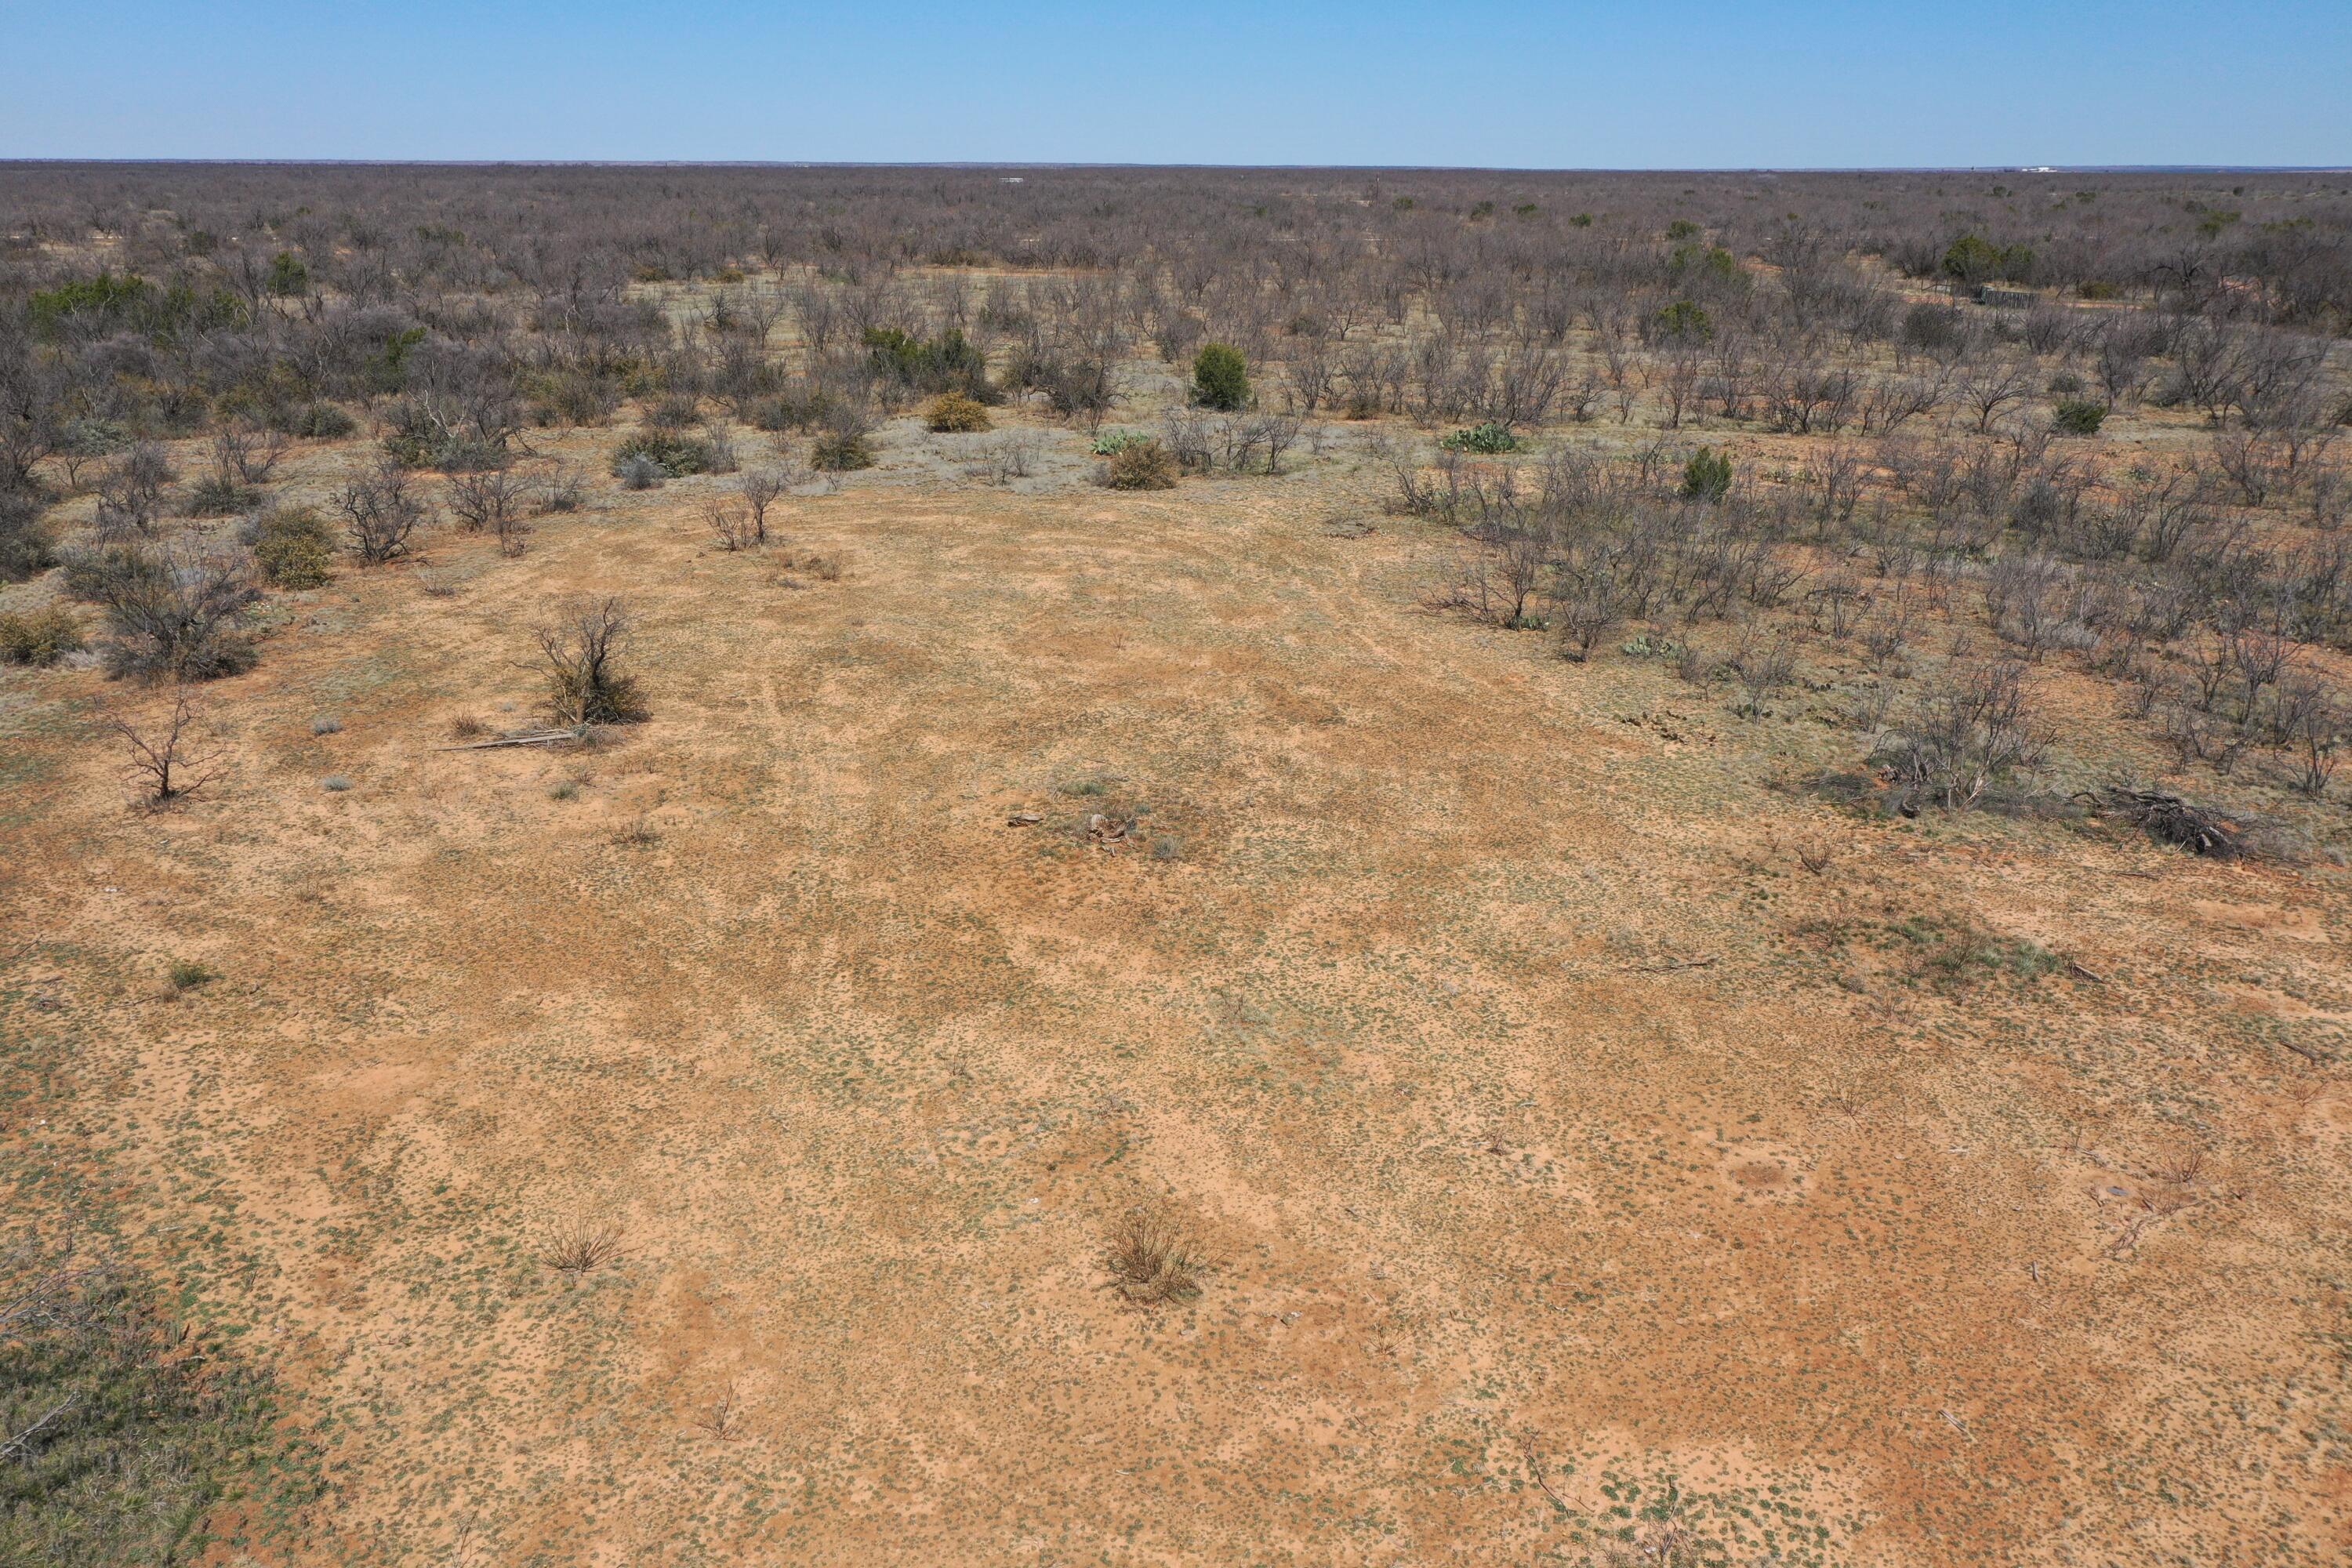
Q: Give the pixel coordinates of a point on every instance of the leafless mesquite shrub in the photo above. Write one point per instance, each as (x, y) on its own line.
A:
(1003, 457)
(493, 500)
(380, 512)
(131, 491)
(1973, 730)
(581, 645)
(1764, 663)
(562, 487)
(177, 614)
(732, 524)
(762, 486)
(169, 760)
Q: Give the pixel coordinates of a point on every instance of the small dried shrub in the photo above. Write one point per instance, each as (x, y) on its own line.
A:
(381, 513)
(178, 616)
(1143, 465)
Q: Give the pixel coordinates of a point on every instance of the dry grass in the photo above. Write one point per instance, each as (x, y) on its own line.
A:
(579, 1248)
(1153, 1261)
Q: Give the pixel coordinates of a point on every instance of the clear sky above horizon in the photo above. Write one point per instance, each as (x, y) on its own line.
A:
(1698, 85)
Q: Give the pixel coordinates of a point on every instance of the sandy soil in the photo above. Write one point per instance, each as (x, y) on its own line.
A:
(1573, 1162)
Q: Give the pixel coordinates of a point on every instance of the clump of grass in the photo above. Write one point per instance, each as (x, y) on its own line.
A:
(335, 784)
(187, 975)
(467, 726)
(1167, 847)
(1153, 1261)
(326, 724)
(117, 1444)
(566, 790)
(580, 1248)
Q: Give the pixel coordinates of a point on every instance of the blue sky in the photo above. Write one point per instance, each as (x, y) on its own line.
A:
(1561, 86)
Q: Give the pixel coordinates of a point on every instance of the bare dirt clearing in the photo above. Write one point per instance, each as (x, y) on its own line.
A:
(1488, 1044)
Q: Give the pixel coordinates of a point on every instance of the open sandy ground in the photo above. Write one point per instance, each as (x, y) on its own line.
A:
(1555, 1134)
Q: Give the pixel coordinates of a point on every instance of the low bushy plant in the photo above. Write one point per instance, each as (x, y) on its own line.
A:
(1221, 378)
(953, 413)
(1708, 476)
(24, 543)
(1486, 439)
(38, 637)
(842, 451)
(675, 454)
(1143, 465)
(293, 546)
(2078, 416)
(948, 363)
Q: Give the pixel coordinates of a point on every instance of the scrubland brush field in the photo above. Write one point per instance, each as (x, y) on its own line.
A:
(1077, 866)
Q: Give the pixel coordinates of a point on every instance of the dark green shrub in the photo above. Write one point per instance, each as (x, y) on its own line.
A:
(294, 547)
(105, 300)
(130, 303)
(38, 637)
(319, 421)
(1973, 260)
(1704, 263)
(1485, 439)
(1144, 465)
(2078, 416)
(1686, 320)
(948, 363)
(675, 454)
(289, 277)
(1221, 377)
(1708, 476)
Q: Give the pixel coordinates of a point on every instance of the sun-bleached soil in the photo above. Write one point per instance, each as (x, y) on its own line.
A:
(1574, 1161)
